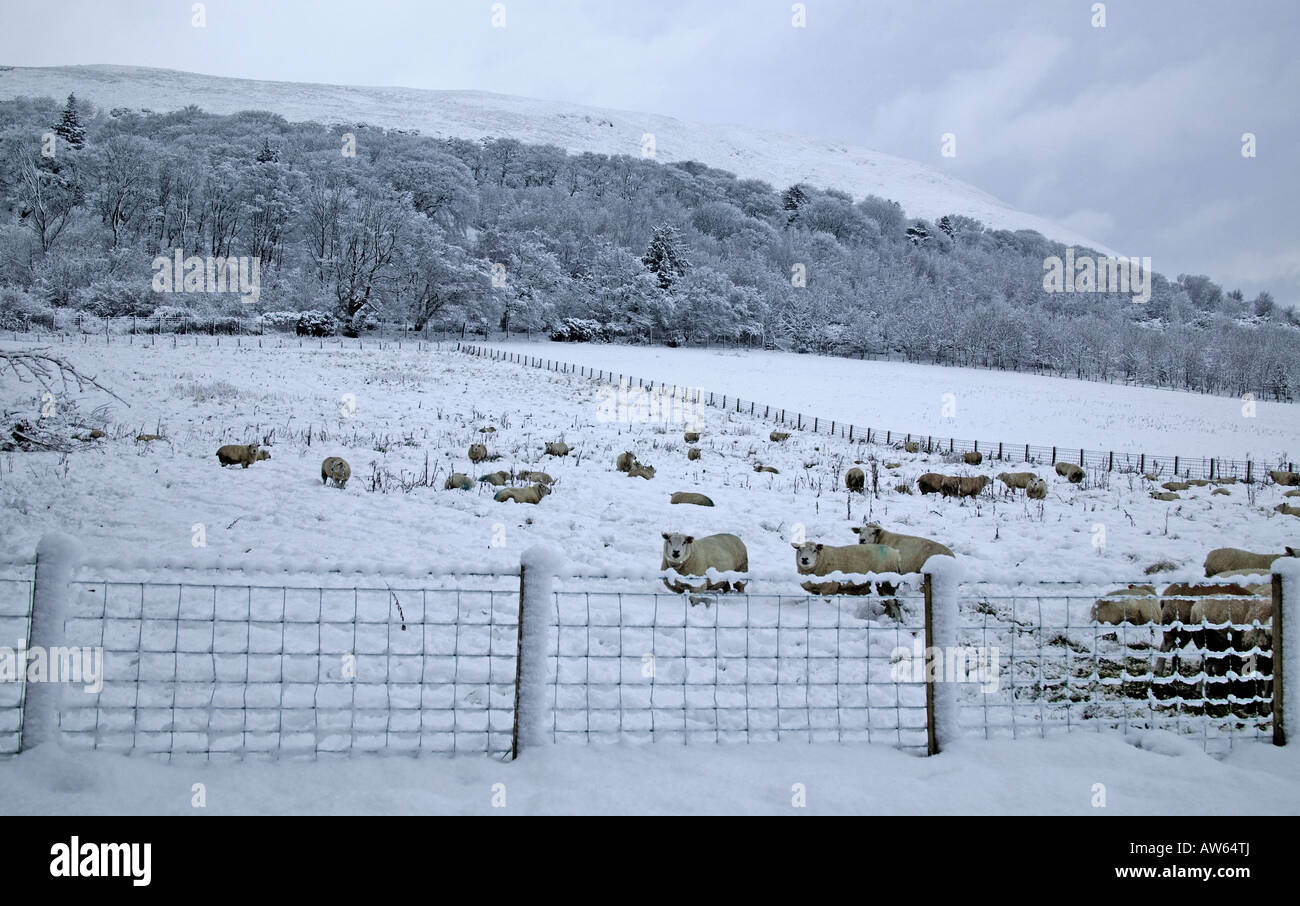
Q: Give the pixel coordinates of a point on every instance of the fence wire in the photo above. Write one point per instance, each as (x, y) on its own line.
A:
(16, 585)
(210, 670)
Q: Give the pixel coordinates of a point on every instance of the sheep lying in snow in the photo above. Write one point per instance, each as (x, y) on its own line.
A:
(759, 467)
(692, 437)
(640, 471)
(1225, 559)
(1016, 480)
(477, 453)
(1165, 496)
(779, 436)
(498, 478)
(691, 556)
(693, 453)
(1136, 604)
(531, 494)
(535, 477)
(1175, 486)
(336, 468)
(690, 497)
(557, 449)
(626, 460)
(458, 481)
(1222, 492)
(1070, 472)
(974, 458)
(812, 559)
(913, 550)
(1197, 482)
(1036, 490)
(241, 454)
(855, 479)
(1287, 509)
(912, 446)
(1295, 493)
(1288, 479)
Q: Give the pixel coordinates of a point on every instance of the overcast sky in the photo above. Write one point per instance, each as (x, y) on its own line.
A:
(1131, 133)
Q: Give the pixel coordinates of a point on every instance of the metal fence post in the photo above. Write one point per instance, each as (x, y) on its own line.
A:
(931, 735)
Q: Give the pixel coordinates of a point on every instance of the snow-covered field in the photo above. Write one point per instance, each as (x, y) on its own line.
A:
(777, 158)
(139, 506)
(1005, 406)
(1152, 773)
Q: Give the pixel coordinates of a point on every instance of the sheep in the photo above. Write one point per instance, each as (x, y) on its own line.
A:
(893, 465)
(1229, 559)
(498, 478)
(1037, 489)
(626, 460)
(690, 497)
(640, 471)
(1223, 492)
(145, 438)
(1287, 509)
(1176, 485)
(957, 486)
(1136, 605)
(241, 454)
(974, 458)
(759, 467)
(559, 448)
(458, 481)
(912, 446)
(1288, 479)
(691, 556)
(1164, 495)
(1070, 472)
(855, 480)
(1295, 493)
(692, 437)
(1017, 480)
(930, 482)
(477, 453)
(812, 559)
(535, 477)
(1178, 603)
(693, 453)
(779, 436)
(1229, 480)
(336, 468)
(531, 494)
(1197, 482)
(913, 550)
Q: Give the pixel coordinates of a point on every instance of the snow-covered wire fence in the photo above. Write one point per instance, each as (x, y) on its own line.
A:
(1098, 460)
(493, 664)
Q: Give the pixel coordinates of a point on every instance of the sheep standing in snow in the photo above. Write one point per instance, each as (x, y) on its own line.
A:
(531, 494)
(1017, 481)
(557, 449)
(930, 483)
(855, 480)
(477, 453)
(1036, 489)
(241, 454)
(812, 559)
(779, 436)
(913, 550)
(1137, 605)
(691, 556)
(958, 486)
(1070, 472)
(912, 446)
(973, 458)
(1223, 559)
(692, 437)
(693, 453)
(337, 469)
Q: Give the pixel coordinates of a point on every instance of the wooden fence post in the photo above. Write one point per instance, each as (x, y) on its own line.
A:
(931, 735)
(1279, 664)
(519, 667)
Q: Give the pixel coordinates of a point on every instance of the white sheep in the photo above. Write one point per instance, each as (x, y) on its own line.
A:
(337, 469)
(241, 454)
(691, 556)
(531, 494)
(690, 497)
(812, 559)
(1136, 605)
(913, 550)
(1223, 559)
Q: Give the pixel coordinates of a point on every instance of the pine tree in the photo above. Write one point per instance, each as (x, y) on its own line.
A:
(267, 155)
(792, 199)
(665, 257)
(946, 225)
(69, 127)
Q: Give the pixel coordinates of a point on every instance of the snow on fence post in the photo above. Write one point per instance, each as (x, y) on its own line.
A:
(537, 568)
(56, 555)
(940, 581)
(1286, 647)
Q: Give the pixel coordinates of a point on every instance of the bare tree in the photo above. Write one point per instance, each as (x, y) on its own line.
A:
(50, 371)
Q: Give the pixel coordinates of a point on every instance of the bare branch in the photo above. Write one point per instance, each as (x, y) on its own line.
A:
(44, 368)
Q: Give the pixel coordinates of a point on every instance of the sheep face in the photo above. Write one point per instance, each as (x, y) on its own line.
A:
(263, 454)
(677, 548)
(869, 533)
(806, 556)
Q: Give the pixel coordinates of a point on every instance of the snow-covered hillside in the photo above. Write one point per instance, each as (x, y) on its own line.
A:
(777, 158)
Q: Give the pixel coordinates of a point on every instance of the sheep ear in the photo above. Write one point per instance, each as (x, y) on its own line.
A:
(665, 534)
(690, 539)
(819, 547)
(795, 546)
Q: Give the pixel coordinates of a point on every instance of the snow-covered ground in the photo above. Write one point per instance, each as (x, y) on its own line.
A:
(777, 158)
(1005, 406)
(1151, 773)
(139, 503)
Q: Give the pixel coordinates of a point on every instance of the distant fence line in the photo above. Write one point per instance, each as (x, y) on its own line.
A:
(234, 668)
(1144, 463)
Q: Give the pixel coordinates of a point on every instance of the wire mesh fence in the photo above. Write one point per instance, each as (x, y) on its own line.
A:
(16, 584)
(1164, 466)
(211, 670)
